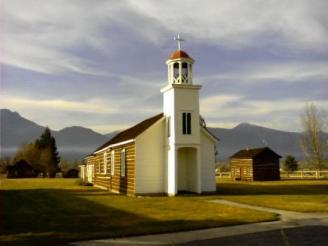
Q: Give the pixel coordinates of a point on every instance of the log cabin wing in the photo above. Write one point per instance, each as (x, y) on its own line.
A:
(258, 164)
(113, 164)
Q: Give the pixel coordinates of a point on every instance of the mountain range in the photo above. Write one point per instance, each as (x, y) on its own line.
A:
(75, 142)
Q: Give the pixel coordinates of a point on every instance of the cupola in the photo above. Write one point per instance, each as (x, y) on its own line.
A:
(179, 66)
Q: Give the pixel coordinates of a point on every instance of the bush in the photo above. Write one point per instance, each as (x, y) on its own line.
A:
(71, 173)
(290, 163)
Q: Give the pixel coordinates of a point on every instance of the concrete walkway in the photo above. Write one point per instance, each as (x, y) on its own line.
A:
(288, 219)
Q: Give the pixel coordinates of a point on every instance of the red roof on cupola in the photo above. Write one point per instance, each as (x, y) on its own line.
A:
(179, 54)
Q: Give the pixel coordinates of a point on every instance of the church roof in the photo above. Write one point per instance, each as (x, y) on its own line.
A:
(251, 153)
(179, 54)
(132, 132)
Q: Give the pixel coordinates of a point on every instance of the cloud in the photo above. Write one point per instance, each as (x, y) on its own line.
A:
(61, 105)
(223, 111)
(101, 64)
(242, 22)
(287, 71)
(38, 35)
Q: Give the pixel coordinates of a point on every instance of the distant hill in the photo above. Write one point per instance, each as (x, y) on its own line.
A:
(73, 142)
(76, 142)
(251, 136)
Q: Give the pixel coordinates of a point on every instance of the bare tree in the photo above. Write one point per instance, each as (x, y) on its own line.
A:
(313, 144)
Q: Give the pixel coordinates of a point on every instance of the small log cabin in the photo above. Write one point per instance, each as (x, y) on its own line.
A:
(260, 164)
(168, 153)
(21, 169)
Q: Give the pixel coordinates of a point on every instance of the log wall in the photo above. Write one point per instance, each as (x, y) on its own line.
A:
(241, 169)
(103, 174)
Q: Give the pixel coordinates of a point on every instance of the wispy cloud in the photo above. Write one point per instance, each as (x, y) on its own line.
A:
(242, 22)
(275, 71)
(101, 64)
(92, 106)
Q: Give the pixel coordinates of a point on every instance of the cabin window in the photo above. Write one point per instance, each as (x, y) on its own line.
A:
(105, 163)
(123, 163)
(186, 123)
(99, 167)
(176, 70)
(112, 163)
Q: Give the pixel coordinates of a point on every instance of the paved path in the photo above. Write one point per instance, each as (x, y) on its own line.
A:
(213, 236)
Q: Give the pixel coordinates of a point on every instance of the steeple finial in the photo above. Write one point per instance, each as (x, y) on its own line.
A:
(179, 40)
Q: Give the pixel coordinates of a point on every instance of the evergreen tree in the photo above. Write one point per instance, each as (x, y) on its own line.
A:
(290, 163)
(47, 144)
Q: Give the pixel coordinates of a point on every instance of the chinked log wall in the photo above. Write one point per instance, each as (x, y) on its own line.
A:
(241, 165)
(116, 183)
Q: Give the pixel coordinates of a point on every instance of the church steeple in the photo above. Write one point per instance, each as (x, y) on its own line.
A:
(181, 109)
(179, 66)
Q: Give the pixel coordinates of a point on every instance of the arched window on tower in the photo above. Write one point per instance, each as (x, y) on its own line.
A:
(176, 70)
(184, 72)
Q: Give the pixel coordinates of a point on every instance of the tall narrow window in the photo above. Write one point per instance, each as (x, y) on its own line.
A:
(105, 163)
(186, 123)
(112, 163)
(123, 163)
(176, 70)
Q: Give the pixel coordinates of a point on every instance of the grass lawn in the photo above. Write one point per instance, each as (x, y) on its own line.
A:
(56, 211)
(297, 195)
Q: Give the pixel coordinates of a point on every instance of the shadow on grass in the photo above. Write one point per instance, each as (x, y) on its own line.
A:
(272, 189)
(52, 217)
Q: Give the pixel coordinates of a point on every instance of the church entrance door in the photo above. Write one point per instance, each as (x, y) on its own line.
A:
(187, 169)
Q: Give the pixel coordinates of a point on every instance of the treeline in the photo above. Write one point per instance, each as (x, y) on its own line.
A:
(42, 156)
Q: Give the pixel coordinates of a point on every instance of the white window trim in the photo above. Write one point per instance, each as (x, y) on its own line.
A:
(105, 163)
(123, 163)
(112, 163)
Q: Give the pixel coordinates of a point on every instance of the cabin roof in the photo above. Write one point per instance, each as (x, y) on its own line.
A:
(132, 132)
(252, 153)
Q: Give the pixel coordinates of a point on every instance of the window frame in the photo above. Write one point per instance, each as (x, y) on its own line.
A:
(123, 162)
(112, 162)
(186, 123)
(105, 163)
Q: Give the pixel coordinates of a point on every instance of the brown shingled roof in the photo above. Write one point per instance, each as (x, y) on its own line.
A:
(251, 153)
(132, 132)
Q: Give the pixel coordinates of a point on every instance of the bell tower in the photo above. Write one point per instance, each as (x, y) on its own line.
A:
(181, 109)
(179, 66)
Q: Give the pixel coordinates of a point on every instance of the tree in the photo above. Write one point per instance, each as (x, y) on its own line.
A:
(49, 157)
(313, 144)
(31, 154)
(4, 163)
(290, 163)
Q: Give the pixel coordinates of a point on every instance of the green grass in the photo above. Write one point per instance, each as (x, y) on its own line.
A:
(296, 195)
(56, 211)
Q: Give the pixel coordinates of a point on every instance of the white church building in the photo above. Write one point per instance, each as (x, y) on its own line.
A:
(168, 153)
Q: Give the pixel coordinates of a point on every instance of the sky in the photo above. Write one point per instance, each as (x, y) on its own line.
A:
(101, 64)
